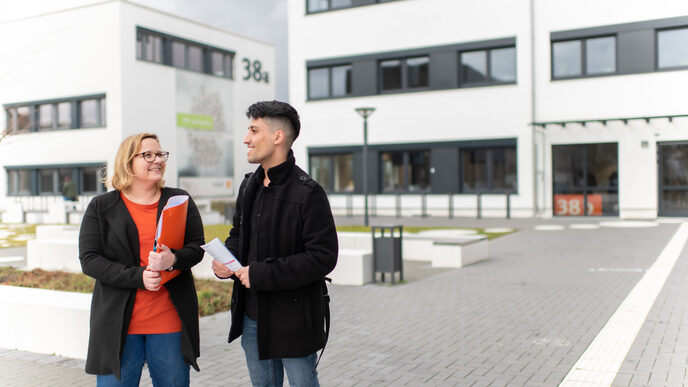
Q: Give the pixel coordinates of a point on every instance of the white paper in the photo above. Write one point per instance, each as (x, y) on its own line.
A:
(220, 253)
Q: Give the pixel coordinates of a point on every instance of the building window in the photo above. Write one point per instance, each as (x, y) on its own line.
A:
(584, 57)
(480, 67)
(672, 50)
(405, 171)
(49, 180)
(177, 52)
(328, 82)
(333, 172)
(488, 170)
(585, 179)
(149, 47)
(326, 5)
(56, 114)
(221, 64)
(19, 182)
(402, 74)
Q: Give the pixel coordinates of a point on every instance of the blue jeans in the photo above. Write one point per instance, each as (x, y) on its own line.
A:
(162, 352)
(269, 373)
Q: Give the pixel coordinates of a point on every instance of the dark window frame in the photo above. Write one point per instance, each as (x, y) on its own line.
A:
(206, 52)
(490, 81)
(584, 70)
(489, 170)
(329, 82)
(76, 172)
(75, 114)
(329, 188)
(406, 172)
(329, 7)
(404, 75)
(657, 32)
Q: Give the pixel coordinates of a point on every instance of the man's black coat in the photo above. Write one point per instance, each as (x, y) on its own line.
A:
(109, 252)
(292, 263)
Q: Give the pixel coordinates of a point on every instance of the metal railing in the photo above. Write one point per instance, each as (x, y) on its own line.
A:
(350, 208)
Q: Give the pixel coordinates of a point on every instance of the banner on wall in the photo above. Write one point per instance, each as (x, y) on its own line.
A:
(204, 134)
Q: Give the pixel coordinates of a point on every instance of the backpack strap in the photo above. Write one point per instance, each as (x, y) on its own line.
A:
(326, 305)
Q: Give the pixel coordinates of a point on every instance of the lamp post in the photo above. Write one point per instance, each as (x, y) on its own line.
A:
(365, 112)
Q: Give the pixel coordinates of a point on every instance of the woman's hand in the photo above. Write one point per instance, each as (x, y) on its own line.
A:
(151, 280)
(162, 260)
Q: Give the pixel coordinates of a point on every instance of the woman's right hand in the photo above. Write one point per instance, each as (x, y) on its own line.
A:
(151, 280)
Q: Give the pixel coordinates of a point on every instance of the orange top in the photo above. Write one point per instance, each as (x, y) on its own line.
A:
(153, 311)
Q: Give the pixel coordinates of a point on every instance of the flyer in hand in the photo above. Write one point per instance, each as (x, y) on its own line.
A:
(220, 253)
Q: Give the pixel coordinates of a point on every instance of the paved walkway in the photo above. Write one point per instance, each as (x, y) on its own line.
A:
(523, 317)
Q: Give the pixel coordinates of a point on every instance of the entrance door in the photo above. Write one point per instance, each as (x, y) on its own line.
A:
(673, 179)
(585, 179)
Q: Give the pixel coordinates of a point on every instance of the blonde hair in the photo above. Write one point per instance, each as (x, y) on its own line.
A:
(122, 176)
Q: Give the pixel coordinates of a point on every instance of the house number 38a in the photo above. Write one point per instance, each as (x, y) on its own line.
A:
(254, 69)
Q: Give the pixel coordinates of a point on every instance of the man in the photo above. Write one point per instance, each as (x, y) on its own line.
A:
(284, 235)
(69, 189)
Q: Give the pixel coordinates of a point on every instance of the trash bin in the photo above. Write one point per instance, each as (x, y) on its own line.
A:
(387, 251)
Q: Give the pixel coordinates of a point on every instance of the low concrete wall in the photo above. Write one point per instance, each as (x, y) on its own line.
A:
(55, 248)
(44, 321)
(354, 267)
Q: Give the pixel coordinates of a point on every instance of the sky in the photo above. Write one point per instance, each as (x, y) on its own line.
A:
(264, 20)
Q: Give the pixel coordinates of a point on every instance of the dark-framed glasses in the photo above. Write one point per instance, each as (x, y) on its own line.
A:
(151, 156)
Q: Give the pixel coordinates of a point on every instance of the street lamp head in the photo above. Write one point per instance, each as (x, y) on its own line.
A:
(365, 112)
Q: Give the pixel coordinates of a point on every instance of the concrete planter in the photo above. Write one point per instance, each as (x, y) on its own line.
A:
(45, 321)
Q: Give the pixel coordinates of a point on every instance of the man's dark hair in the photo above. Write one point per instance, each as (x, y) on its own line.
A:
(278, 111)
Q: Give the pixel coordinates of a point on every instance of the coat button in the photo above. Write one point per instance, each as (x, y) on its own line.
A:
(302, 177)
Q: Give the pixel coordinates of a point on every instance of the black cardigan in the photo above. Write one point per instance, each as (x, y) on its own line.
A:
(109, 252)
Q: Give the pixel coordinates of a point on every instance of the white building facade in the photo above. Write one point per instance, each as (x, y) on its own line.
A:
(82, 75)
(506, 108)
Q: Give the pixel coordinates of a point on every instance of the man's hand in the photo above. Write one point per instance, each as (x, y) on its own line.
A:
(243, 276)
(221, 271)
(162, 260)
(151, 280)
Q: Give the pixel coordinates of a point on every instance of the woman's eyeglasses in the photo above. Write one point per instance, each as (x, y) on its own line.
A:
(151, 156)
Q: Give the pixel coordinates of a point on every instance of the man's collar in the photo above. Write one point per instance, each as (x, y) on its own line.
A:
(277, 174)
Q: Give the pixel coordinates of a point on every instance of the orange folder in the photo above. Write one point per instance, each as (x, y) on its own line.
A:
(171, 229)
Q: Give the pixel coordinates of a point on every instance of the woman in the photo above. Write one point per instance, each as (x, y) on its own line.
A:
(135, 315)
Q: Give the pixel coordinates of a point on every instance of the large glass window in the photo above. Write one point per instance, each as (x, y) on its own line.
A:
(599, 54)
(324, 5)
(91, 181)
(407, 73)
(405, 171)
(585, 179)
(57, 114)
(48, 181)
(88, 113)
(64, 114)
(417, 70)
(390, 75)
(23, 119)
(333, 172)
(179, 54)
(45, 117)
(488, 169)
(672, 50)
(488, 66)
(19, 182)
(326, 82)
(195, 58)
(149, 47)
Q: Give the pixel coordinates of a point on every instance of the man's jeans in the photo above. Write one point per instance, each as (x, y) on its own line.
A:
(269, 373)
(162, 352)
